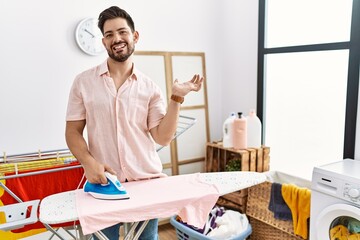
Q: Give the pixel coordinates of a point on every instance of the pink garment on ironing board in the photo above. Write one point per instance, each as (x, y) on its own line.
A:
(183, 195)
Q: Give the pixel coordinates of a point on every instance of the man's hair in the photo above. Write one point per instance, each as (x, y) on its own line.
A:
(114, 12)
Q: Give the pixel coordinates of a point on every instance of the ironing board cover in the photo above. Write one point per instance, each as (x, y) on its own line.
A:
(184, 195)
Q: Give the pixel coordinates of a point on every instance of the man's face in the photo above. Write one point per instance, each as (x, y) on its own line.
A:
(118, 39)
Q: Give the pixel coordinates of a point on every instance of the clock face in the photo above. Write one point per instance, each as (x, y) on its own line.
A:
(88, 37)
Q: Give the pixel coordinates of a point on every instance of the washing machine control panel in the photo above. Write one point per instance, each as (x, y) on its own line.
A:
(352, 192)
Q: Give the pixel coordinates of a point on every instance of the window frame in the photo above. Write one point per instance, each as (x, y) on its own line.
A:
(353, 72)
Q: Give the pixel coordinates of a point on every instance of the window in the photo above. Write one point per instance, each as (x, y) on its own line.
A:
(294, 23)
(308, 81)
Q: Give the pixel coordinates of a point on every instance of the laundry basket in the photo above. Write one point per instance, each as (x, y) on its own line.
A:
(185, 233)
(264, 224)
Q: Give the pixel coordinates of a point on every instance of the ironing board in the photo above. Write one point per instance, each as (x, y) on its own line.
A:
(43, 162)
(62, 207)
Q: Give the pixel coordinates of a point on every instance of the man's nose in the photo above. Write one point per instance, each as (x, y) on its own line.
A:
(117, 37)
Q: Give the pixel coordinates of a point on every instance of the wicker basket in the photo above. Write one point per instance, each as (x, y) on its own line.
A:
(265, 226)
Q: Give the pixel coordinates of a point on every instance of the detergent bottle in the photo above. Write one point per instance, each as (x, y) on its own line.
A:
(228, 131)
(240, 132)
(253, 130)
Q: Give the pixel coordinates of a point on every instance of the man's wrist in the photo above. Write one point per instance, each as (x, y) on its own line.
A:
(177, 99)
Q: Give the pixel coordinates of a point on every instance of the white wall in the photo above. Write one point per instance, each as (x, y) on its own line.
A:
(39, 58)
(239, 75)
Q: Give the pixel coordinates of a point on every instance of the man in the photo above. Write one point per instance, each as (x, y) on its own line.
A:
(124, 112)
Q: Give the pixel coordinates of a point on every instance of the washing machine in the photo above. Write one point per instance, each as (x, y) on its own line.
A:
(335, 201)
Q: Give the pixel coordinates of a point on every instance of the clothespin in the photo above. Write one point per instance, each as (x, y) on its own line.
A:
(39, 153)
(16, 168)
(4, 157)
(57, 156)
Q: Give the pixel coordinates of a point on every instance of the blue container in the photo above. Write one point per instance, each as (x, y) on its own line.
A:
(185, 233)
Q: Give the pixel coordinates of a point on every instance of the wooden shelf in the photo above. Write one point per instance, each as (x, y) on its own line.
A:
(250, 159)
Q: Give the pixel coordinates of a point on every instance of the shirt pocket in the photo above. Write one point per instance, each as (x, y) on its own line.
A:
(138, 111)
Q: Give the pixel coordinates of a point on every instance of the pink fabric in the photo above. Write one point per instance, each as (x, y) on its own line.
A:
(184, 195)
(118, 121)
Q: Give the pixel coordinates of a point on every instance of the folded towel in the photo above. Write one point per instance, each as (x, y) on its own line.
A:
(277, 204)
(298, 200)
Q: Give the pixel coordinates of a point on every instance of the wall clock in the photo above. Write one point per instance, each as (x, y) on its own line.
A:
(88, 37)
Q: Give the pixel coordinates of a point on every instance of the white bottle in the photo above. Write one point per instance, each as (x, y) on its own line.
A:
(240, 132)
(228, 131)
(253, 130)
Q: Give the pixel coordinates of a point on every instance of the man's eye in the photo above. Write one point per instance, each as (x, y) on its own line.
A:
(108, 36)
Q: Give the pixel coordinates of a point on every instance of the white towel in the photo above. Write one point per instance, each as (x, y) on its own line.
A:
(230, 224)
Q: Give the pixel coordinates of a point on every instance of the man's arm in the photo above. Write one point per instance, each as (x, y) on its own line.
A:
(94, 171)
(164, 132)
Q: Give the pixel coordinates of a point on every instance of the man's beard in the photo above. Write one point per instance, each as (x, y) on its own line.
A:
(121, 57)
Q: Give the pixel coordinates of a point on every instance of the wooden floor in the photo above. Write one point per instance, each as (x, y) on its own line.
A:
(167, 232)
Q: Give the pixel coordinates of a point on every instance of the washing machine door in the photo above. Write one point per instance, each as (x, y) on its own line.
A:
(338, 221)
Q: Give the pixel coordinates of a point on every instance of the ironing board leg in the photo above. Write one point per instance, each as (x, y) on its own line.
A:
(53, 231)
(100, 235)
(78, 232)
(81, 234)
(129, 229)
(140, 230)
(66, 229)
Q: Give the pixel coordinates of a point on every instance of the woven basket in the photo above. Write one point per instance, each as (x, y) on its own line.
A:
(265, 226)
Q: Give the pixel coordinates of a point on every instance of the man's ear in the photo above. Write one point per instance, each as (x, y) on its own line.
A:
(136, 36)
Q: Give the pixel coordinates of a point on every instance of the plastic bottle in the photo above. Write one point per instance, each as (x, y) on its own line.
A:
(240, 132)
(228, 131)
(253, 130)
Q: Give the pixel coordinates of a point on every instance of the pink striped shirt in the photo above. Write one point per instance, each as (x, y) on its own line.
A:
(118, 122)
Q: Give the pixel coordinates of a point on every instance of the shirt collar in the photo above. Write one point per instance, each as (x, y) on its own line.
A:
(104, 70)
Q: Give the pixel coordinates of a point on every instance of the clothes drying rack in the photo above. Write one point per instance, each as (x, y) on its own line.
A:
(26, 165)
(41, 162)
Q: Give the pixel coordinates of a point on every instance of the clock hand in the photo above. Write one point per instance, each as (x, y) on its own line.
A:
(89, 33)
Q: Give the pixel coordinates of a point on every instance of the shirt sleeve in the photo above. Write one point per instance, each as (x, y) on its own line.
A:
(76, 108)
(157, 108)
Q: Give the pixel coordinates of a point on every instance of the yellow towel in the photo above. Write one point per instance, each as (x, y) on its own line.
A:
(355, 236)
(298, 200)
(340, 232)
